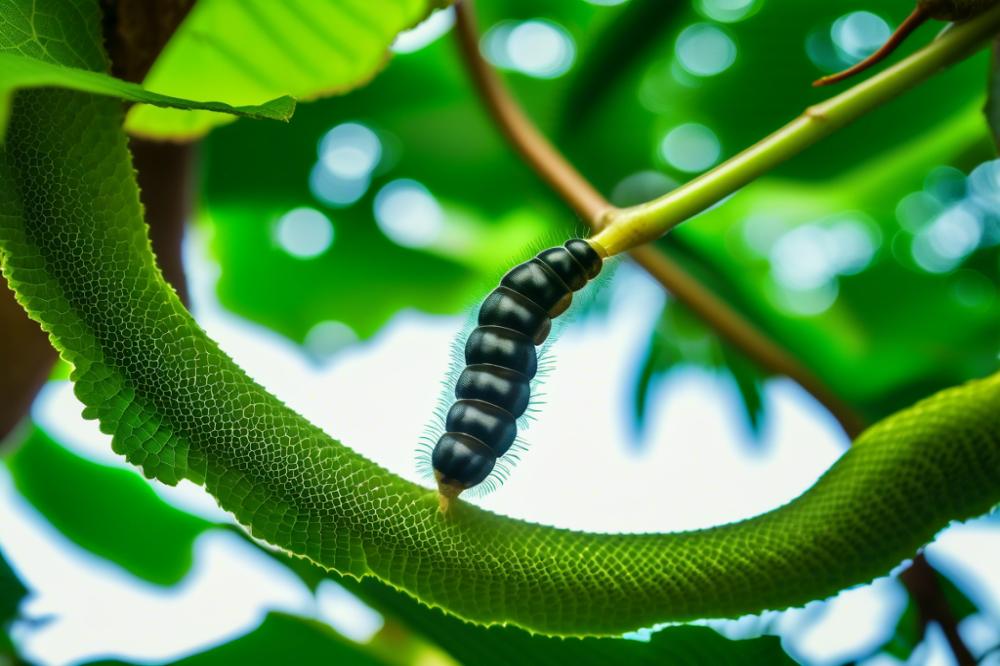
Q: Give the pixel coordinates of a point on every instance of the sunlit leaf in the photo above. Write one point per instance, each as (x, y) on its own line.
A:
(246, 51)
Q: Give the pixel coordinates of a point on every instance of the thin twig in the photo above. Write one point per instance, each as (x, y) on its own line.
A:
(578, 193)
(522, 134)
(916, 19)
(634, 226)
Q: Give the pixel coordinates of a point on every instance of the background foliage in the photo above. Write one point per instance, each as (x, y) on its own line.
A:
(846, 255)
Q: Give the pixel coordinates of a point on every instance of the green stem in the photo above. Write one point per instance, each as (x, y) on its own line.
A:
(631, 227)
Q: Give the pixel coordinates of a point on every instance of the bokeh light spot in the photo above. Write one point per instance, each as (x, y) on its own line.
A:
(812, 255)
(350, 151)
(728, 11)
(705, 50)
(640, 187)
(943, 245)
(916, 210)
(859, 34)
(304, 233)
(408, 213)
(426, 33)
(327, 338)
(807, 302)
(974, 290)
(761, 231)
(984, 185)
(946, 184)
(539, 48)
(691, 147)
(335, 191)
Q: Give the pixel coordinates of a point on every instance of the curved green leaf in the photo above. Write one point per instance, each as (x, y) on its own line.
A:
(245, 51)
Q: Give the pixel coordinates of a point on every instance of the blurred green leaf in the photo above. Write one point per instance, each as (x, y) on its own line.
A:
(18, 71)
(12, 591)
(680, 338)
(113, 513)
(280, 639)
(245, 51)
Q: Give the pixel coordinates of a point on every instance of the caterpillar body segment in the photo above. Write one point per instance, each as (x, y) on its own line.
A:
(493, 390)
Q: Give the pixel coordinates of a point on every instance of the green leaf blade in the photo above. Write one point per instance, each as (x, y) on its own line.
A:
(20, 72)
(249, 50)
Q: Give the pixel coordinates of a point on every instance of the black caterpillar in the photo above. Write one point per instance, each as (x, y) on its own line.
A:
(493, 389)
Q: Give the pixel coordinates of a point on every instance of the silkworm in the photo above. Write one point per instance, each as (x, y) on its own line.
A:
(493, 390)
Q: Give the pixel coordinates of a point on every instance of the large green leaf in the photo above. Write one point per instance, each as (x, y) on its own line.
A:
(110, 512)
(245, 51)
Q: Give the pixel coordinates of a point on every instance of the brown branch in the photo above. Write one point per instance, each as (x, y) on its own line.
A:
(550, 165)
(522, 134)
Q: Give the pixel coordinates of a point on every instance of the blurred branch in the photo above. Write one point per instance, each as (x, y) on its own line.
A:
(926, 591)
(631, 227)
(522, 134)
(552, 167)
(592, 207)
